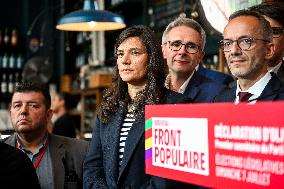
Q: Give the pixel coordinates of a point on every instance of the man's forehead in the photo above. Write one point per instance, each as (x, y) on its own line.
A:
(184, 31)
(27, 96)
(239, 27)
(190, 35)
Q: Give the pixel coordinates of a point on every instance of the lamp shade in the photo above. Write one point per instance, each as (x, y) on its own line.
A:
(90, 19)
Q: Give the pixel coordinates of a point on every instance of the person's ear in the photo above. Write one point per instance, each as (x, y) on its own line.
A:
(201, 54)
(49, 114)
(163, 46)
(62, 102)
(270, 51)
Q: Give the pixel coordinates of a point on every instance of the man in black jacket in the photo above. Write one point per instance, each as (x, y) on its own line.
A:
(248, 49)
(274, 14)
(16, 170)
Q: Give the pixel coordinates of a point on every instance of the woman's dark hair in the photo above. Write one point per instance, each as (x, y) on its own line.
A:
(117, 94)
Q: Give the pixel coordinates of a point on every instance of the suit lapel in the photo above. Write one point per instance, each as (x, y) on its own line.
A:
(280, 73)
(134, 136)
(57, 154)
(230, 95)
(11, 140)
(270, 91)
(192, 89)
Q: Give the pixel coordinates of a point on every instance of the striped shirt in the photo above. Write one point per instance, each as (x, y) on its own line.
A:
(124, 130)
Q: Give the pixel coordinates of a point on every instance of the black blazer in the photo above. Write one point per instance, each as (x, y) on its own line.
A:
(16, 169)
(215, 75)
(280, 73)
(273, 91)
(101, 164)
(202, 89)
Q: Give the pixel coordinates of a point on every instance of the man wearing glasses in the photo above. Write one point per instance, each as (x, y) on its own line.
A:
(183, 44)
(274, 14)
(248, 49)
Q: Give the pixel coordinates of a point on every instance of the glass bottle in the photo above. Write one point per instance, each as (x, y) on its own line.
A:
(14, 38)
(11, 84)
(4, 84)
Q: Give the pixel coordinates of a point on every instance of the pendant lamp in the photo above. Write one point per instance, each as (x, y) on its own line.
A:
(90, 19)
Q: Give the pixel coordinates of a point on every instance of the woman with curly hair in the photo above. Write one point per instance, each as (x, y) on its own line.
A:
(116, 155)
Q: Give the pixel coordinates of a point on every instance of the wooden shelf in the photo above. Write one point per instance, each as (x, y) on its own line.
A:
(90, 100)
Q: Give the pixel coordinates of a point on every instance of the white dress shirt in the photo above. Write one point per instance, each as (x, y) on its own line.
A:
(255, 90)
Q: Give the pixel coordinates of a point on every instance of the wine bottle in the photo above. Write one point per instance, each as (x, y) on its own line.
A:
(14, 38)
(17, 78)
(11, 84)
(1, 41)
(6, 39)
(5, 61)
(12, 61)
(19, 61)
(4, 84)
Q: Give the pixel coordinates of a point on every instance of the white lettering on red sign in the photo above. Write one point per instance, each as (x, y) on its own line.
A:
(181, 144)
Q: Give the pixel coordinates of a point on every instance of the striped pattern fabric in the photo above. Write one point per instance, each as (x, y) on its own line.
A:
(124, 130)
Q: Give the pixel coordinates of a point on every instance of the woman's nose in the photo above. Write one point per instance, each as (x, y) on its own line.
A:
(125, 59)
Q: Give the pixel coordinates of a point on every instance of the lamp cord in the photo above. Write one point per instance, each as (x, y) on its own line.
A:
(29, 32)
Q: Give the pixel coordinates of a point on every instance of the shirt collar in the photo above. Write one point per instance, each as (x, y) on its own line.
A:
(182, 88)
(21, 147)
(197, 67)
(275, 68)
(256, 89)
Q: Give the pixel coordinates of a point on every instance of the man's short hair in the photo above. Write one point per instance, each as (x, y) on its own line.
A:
(23, 87)
(183, 21)
(266, 30)
(273, 10)
(69, 102)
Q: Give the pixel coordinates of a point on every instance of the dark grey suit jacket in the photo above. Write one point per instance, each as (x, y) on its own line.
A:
(202, 89)
(67, 155)
(101, 168)
(215, 75)
(273, 91)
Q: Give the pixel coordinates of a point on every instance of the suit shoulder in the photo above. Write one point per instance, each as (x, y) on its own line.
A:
(216, 75)
(70, 141)
(172, 97)
(226, 95)
(208, 82)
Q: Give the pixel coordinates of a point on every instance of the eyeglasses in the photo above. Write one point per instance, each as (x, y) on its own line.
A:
(190, 47)
(244, 43)
(277, 32)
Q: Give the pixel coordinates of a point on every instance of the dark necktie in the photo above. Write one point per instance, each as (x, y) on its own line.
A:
(244, 96)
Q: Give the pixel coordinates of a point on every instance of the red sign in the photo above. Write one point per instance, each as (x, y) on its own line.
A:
(218, 145)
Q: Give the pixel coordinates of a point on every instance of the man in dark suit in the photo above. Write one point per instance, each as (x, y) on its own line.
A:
(183, 44)
(214, 75)
(58, 160)
(248, 48)
(274, 14)
(16, 170)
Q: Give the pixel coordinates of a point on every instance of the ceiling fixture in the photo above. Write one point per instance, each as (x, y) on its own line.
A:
(90, 19)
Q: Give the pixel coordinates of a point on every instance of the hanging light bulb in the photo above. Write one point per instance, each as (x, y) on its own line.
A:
(90, 19)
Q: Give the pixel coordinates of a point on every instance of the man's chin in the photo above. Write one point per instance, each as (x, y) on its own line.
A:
(23, 129)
